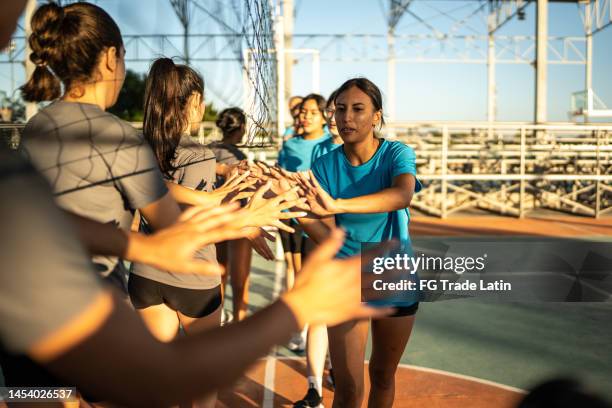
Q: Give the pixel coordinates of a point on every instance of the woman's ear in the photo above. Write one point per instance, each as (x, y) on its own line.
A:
(110, 59)
(377, 118)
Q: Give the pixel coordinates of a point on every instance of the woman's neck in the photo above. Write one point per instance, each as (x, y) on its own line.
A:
(90, 93)
(360, 152)
(228, 140)
(313, 135)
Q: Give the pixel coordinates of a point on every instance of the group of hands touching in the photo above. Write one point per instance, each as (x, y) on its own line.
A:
(326, 291)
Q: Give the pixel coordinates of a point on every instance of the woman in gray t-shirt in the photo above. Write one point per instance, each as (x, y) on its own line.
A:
(173, 110)
(232, 123)
(98, 166)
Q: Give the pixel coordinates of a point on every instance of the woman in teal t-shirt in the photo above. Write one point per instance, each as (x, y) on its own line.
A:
(365, 187)
(296, 155)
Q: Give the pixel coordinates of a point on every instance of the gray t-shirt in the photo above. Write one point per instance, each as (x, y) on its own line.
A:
(195, 169)
(46, 280)
(98, 166)
(226, 153)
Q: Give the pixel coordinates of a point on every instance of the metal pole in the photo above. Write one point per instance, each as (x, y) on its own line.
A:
(444, 171)
(588, 66)
(522, 169)
(391, 75)
(287, 23)
(598, 184)
(491, 68)
(186, 44)
(541, 60)
(31, 107)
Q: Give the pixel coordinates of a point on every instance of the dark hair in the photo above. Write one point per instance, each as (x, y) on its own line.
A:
(366, 86)
(230, 119)
(167, 91)
(66, 44)
(320, 100)
(332, 98)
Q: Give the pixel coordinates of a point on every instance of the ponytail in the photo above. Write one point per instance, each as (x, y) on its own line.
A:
(167, 92)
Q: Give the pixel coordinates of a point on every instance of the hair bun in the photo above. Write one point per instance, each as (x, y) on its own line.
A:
(46, 31)
(230, 119)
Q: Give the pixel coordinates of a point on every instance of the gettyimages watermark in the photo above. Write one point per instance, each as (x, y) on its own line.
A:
(505, 269)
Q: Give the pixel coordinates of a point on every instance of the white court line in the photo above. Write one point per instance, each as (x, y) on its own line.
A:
(440, 372)
(464, 377)
(270, 374)
(270, 371)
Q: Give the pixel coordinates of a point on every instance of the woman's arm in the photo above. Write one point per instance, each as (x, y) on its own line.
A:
(317, 228)
(161, 213)
(184, 195)
(396, 197)
(327, 291)
(171, 248)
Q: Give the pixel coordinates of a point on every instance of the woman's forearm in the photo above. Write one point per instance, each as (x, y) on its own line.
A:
(317, 229)
(162, 374)
(387, 200)
(184, 195)
(99, 238)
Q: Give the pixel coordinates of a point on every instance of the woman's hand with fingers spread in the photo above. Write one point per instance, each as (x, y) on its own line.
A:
(235, 185)
(173, 248)
(327, 290)
(257, 237)
(260, 212)
(320, 202)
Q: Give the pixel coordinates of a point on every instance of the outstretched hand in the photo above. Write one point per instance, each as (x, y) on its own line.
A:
(258, 237)
(260, 212)
(320, 202)
(173, 248)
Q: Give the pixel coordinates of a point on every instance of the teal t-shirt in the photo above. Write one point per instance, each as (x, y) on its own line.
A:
(342, 180)
(323, 148)
(296, 153)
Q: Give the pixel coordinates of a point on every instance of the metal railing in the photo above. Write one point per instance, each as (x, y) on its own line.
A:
(507, 168)
(510, 168)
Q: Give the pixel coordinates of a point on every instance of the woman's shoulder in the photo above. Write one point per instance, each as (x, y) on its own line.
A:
(328, 157)
(189, 150)
(79, 119)
(396, 147)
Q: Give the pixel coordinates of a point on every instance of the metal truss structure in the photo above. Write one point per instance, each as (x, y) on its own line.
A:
(472, 37)
(429, 48)
(351, 48)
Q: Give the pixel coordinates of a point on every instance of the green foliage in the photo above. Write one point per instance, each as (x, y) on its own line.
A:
(130, 103)
(15, 106)
(210, 115)
(131, 98)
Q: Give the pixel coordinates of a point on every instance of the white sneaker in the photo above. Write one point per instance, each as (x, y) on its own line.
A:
(297, 343)
(226, 317)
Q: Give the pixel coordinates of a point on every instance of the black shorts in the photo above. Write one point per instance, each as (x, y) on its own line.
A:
(405, 310)
(193, 303)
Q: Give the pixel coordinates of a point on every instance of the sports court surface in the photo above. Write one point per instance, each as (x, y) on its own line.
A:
(464, 353)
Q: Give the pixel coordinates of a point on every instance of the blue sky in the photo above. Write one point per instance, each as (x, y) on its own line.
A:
(425, 91)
